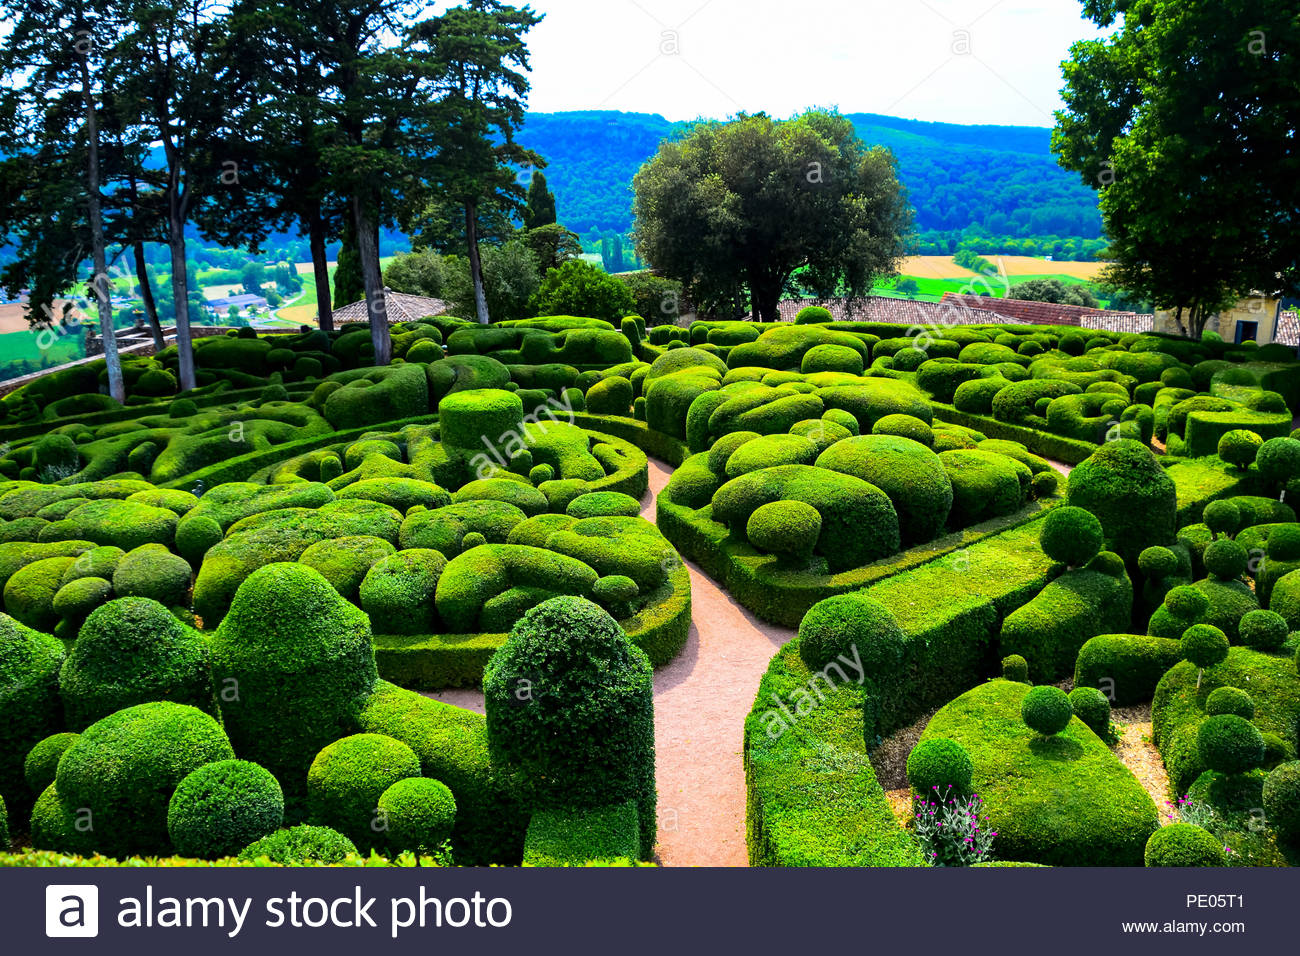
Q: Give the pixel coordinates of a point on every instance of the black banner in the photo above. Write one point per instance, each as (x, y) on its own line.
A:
(669, 911)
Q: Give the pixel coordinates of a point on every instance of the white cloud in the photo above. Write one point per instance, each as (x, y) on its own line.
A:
(688, 58)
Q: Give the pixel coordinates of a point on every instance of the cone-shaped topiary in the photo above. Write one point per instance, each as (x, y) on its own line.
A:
(935, 764)
(570, 708)
(293, 662)
(1071, 535)
(1046, 710)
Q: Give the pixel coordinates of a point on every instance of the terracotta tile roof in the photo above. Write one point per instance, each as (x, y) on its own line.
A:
(878, 308)
(1052, 313)
(1288, 329)
(401, 308)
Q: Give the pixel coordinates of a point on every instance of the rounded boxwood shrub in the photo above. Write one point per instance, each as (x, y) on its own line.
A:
(812, 314)
(1071, 535)
(1182, 844)
(1225, 559)
(601, 504)
(398, 591)
(1158, 562)
(843, 418)
(1186, 602)
(1046, 710)
(612, 395)
(984, 485)
(76, 599)
(1278, 460)
(1204, 645)
(1282, 799)
(584, 735)
(1230, 700)
(1123, 484)
(905, 426)
(303, 664)
(1239, 447)
(151, 571)
(788, 529)
(42, 761)
(418, 815)
(1015, 668)
(29, 592)
(1092, 707)
(1044, 484)
(222, 807)
(344, 562)
(126, 766)
(918, 483)
(832, 358)
(347, 778)
(300, 845)
(55, 456)
(936, 764)
(472, 540)
(1262, 630)
(131, 651)
(615, 593)
(1229, 744)
(840, 627)
(30, 709)
(769, 450)
(1222, 517)
(195, 535)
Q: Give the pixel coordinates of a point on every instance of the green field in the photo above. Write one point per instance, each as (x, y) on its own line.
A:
(933, 290)
(17, 347)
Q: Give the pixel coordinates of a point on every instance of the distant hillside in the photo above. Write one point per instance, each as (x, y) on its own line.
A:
(1003, 178)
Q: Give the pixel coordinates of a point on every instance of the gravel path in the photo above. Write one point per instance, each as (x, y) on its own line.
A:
(701, 699)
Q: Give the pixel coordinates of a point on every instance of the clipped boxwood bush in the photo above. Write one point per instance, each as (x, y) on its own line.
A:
(125, 767)
(300, 845)
(1071, 535)
(1046, 710)
(586, 738)
(788, 529)
(30, 708)
(1182, 844)
(937, 764)
(347, 778)
(222, 807)
(418, 815)
(1092, 707)
(1230, 744)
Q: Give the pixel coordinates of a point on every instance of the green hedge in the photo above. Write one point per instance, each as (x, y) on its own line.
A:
(1061, 801)
(1127, 667)
(1056, 447)
(575, 837)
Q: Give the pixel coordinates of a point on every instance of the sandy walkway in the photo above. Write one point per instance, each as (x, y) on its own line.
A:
(701, 700)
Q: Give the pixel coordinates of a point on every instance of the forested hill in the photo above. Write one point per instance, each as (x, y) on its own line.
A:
(1003, 178)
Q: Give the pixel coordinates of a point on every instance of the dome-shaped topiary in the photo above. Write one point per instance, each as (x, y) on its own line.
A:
(1158, 562)
(1239, 447)
(936, 763)
(1186, 602)
(1046, 710)
(1092, 707)
(418, 815)
(75, 600)
(851, 627)
(1263, 630)
(346, 779)
(1123, 484)
(1182, 844)
(1044, 484)
(303, 663)
(42, 761)
(398, 591)
(220, 808)
(346, 560)
(1278, 460)
(123, 770)
(585, 737)
(1015, 668)
(787, 529)
(131, 651)
(599, 504)
(1071, 535)
(30, 709)
(1230, 700)
(1229, 744)
(195, 535)
(615, 593)
(1225, 559)
(300, 845)
(151, 571)
(1284, 543)
(905, 426)
(812, 314)
(1222, 517)
(1282, 799)
(1204, 645)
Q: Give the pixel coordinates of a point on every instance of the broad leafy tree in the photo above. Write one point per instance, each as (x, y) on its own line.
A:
(737, 210)
(1184, 119)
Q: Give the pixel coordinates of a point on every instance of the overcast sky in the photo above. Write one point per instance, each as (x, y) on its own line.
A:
(956, 61)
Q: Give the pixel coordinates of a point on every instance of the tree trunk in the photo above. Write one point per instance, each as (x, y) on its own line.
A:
(376, 305)
(321, 268)
(180, 292)
(146, 295)
(100, 280)
(476, 264)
